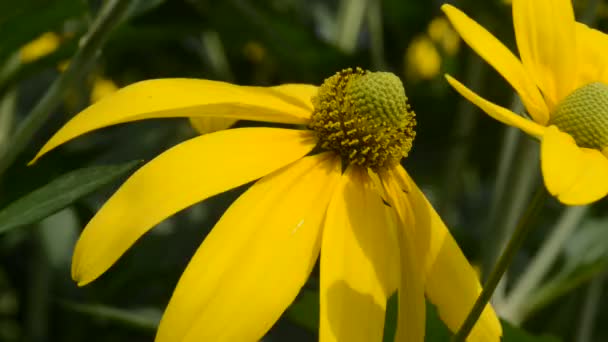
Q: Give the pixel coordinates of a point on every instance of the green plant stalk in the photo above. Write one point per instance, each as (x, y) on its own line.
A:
(109, 17)
(590, 309)
(542, 262)
(523, 228)
(374, 22)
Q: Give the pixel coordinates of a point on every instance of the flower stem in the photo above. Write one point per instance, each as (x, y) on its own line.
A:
(523, 228)
(109, 17)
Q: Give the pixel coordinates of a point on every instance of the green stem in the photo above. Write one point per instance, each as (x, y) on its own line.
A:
(109, 17)
(523, 228)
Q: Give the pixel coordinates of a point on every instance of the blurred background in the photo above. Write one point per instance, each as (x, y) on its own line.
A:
(478, 173)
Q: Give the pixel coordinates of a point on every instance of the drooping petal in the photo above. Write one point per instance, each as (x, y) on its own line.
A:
(411, 314)
(546, 40)
(497, 112)
(451, 283)
(255, 260)
(359, 261)
(183, 175)
(165, 98)
(592, 48)
(205, 125)
(559, 160)
(503, 60)
(576, 176)
(592, 184)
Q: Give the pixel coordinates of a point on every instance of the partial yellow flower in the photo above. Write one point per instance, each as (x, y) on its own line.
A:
(422, 59)
(442, 33)
(562, 79)
(102, 87)
(45, 44)
(260, 253)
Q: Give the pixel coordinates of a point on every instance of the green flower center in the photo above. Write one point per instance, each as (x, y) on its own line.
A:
(364, 116)
(584, 115)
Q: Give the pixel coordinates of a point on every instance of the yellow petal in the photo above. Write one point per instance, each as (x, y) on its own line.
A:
(411, 316)
(185, 174)
(204, 125)
(299, 94)
(559, 160)
(497, 112)
(359, 262)
(187, 98)
(592, 183)
(499, 57)
(576, 176)
(545, 34)
(451, 282)
(592, 48)
(255, 260)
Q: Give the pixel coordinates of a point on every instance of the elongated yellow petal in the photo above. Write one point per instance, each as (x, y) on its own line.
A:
(185, 174)
(411, 316)
(255, 260)
(559, 160)
(451, 283)
(359, 262)
(497, 112)
(546, 40)
(205, 125)
(592, 48)
(165, 98)
(574, 175)
(503, 60)
(299, 94)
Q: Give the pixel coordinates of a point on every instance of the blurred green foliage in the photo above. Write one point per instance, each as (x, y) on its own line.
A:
(246, 42)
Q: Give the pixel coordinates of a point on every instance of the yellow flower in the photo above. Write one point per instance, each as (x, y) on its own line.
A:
(422, 58)
(562, 80)
(102, 87)
(261, 252)
(45, 44)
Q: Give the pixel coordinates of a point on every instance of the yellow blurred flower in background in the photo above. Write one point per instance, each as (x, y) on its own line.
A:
(426, 52)
(102, 87)
(45, 44)
(562, 79)
(321, 190)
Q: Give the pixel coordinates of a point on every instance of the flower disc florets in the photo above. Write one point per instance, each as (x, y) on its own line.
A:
(364, 116)
(584, 115)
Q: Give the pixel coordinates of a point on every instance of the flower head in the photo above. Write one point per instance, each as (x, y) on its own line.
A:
(322, 190)
(562, 79)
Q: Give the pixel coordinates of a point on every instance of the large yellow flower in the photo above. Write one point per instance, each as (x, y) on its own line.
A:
(261, 252)
(562, 79)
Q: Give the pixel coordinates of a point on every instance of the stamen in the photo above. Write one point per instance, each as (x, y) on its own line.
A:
(584, 115)
(364, 116)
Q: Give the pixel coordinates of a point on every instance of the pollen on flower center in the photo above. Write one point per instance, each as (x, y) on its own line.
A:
(364, 116)
(584, 115)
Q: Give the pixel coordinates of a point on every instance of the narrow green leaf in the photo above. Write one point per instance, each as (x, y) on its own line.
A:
(59, 193)
(146, 319)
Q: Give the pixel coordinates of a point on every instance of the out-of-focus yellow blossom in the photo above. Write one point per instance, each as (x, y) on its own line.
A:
(562, 79)
(101, 88)
(323, 185)
(441, 32)
(40, 47)
(422, 59)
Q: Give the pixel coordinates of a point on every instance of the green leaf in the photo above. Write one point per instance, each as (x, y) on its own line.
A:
(146, 319)
(59, 193)
(586, 255)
